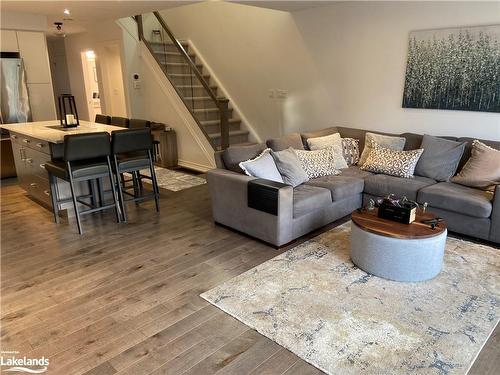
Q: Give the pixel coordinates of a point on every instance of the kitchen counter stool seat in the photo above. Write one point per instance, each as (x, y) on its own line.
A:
(131, 151)
(86, 158)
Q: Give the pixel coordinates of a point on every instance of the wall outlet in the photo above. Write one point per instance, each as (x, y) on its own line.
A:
(271, 93)
(281, 94)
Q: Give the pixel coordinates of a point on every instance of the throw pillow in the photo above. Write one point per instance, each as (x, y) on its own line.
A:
(386, 141)
(392, 162)
(330, 141)
(482, 170)
(263, 166)
(440, 158)
(234, 155)
(289, 166)
(350, 150)
(317, 163)
(291, 140)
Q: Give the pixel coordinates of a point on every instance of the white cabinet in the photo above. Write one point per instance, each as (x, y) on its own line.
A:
(8, 41)
(33, 49)
(42, 103)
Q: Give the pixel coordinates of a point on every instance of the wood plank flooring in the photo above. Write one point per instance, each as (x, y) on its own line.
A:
(124, 299)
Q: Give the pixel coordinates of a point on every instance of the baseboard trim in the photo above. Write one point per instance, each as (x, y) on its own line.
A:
(194, 166)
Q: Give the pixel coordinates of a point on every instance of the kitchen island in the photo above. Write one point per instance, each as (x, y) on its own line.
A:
(35, 143)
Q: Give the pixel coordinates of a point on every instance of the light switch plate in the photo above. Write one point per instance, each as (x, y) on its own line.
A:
(271, 93)
(281, 93)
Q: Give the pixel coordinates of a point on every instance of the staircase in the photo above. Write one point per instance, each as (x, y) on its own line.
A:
(194, 86)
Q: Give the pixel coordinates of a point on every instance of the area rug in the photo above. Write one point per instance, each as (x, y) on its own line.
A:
(174, 180)
(313, 301)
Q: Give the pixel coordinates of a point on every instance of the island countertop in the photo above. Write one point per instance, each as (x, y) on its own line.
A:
(52, 132)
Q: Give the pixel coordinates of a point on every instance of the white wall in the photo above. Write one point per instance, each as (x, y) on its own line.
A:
(96, 40)
(360, 50)
(341, 64)
(252, 50)
(19, 34)
(58, 67)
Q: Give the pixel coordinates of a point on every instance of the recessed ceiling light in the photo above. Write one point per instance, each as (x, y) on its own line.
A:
(66, 11)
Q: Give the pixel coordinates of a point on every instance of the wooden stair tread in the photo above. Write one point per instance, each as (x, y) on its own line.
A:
(216, 122)
(231, 133)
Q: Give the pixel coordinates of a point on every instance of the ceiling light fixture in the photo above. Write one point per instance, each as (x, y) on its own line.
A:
(59, 30)
(66, 11)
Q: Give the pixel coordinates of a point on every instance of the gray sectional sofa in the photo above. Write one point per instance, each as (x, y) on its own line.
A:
(320, 201)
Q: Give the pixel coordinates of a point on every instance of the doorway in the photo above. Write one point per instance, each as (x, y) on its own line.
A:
(91, 84)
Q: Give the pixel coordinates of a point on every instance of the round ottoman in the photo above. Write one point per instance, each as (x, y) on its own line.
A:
(395, 251)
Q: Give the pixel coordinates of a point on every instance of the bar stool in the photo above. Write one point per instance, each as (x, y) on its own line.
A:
(131, 150)
(120, 121)
(137, 124)
(103, 119)
(86, 158)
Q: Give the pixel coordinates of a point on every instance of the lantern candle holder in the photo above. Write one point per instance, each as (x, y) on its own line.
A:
(67, 111)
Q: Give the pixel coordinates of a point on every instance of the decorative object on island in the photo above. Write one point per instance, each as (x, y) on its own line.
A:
(67, 111)
(454, 68)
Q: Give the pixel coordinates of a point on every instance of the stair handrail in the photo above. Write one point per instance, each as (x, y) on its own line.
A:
(221, 102)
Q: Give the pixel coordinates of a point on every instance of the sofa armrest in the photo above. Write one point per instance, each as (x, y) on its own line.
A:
(495, 217)
(229, 196)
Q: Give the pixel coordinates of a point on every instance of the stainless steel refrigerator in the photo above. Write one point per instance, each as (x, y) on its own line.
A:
(15, 104)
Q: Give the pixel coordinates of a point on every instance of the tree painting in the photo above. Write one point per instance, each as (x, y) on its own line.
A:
(457, 69)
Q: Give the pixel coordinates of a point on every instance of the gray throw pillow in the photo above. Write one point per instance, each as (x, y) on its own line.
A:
(290, 168)
(291, 140)
(440, 158)
(263, 166)
(234, 155)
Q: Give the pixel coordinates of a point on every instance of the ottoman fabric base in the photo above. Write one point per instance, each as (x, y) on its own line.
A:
(396, 258)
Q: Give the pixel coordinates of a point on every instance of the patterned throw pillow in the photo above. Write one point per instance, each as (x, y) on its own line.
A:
(318, 163)
(350, 150)
(392, 162)
(329, 141)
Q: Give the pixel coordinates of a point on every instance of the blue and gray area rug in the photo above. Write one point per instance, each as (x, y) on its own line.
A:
(313, 301)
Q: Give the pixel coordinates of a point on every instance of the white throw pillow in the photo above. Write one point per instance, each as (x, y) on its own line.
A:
(387, 141)
(392, 162)
(333, 141)
(262, 166)
(318, 163)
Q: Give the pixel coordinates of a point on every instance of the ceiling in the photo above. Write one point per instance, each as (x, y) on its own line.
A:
(285, 5)
(86, 13)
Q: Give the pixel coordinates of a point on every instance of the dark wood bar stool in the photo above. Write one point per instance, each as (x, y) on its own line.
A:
(103, 119)
(120, 121)
(131, 150)
(86, 158)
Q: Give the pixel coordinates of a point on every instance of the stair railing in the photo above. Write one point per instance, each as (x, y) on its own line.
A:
(221, 103)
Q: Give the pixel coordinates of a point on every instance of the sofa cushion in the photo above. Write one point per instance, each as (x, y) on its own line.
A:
(234, 155)
(307, 199)
(392, 162)
(440, 158)
(317, 133)
(457, 198)
(468, 148)
(289, 167)
(355, 171)
(291, 140)
(482, 171)
(381, 185)
(386, 141)
(318, 163)
(262, 166)
(350, 150)
(340, 186)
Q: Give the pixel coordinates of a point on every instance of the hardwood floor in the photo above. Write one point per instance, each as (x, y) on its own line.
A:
(124, 299)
